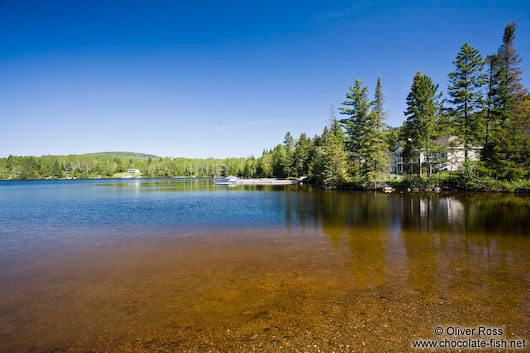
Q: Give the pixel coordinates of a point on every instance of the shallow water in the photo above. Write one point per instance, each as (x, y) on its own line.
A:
(181, 265)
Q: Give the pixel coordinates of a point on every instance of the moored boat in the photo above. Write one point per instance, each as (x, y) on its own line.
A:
(230, 180)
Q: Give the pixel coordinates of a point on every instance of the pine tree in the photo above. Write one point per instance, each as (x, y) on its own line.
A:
(301, 155)
(334, 162)
(493, 62)
(379, 101)
(289, 144)
(354, 124)
(376, 156)
(279, 156)
(288, 141)
(510, 87)
(423, 113)
(502, 153)
(329, 164)
(466, 97)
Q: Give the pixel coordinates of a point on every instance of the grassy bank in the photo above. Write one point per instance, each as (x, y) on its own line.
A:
(445, 181)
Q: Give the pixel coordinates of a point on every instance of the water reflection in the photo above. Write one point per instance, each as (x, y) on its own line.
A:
(465, 247)
(476, 213)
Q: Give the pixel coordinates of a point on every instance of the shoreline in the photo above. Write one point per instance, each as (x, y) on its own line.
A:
(401, 189)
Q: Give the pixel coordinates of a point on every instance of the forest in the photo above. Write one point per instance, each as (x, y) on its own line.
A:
(485, 105)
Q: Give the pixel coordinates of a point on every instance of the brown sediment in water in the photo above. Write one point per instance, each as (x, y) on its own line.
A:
(345, 289)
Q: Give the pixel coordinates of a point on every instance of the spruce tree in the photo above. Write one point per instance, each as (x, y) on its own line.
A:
(289, 144)
(466, 96)
(354, 124)
(288, 141)
(379, 101)
(301, 156)
(422, 114)
(511, 88)
(503, 152)
(376, 151)
(329, 164)
(493, 62)
(279, 156)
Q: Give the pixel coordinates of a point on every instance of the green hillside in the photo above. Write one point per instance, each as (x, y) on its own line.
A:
(121, 155)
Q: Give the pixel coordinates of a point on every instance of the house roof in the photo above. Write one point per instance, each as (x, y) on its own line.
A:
(449, 140)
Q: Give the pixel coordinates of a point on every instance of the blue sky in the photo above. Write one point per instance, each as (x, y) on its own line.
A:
(219, 78)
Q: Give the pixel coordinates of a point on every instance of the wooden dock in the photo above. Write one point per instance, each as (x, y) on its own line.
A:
(232, 181)
(267, 181)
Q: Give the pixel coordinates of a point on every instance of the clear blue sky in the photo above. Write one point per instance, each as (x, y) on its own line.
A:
(218, 78)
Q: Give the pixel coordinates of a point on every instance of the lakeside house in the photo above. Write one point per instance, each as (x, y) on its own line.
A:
(133, 171)
(451, 157)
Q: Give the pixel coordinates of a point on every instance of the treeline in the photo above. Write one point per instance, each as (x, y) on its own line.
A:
(91, 166)
(485, 106)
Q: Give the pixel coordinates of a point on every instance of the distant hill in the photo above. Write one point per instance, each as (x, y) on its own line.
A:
(122, 155)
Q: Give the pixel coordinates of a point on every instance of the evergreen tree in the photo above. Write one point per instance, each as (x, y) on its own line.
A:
(301, 156)
(265, 165)
(493, 62)
(329, 165)
(510, 88)
(337, 130)
(422, 114)
(501, 153)
(288, 141)
(364, 129)
(375, 150)
(57, 170)
(279, 161)
(379, 101)
(289, 144)
(334, 162)
(391, 135)
(354, 124)
(466, 97)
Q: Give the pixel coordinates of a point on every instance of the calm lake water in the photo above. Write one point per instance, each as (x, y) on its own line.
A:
(181, 265)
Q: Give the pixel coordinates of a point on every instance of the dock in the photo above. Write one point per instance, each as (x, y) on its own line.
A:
(261, 181)
(267, 181)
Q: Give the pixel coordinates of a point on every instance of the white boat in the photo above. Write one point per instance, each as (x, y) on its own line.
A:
(230, 180)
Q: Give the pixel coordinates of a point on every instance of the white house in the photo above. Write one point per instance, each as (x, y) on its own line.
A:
(133, 171)
(450, 159)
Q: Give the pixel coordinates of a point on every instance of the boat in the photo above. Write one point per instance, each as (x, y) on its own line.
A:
(230, 180)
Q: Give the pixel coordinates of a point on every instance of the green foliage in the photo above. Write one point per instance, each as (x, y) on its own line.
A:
(466, 97)
(279, 162)
(329, 165)
(357, 99)
(392, 136)
(364, 131)
(506, 149)
(423, 115)
(301, 156)
(106, 165)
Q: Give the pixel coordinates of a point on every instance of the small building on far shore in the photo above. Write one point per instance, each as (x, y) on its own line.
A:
(451, 158)
(133, 171)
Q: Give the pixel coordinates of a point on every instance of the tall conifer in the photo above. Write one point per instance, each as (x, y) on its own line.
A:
(466, 97)
(423, 113)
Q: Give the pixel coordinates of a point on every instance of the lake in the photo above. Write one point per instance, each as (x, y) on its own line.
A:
(167, 265)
